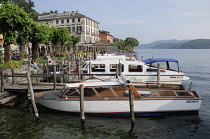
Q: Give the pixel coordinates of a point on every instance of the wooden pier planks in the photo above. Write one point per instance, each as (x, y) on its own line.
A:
(35, 87)
(7, 99)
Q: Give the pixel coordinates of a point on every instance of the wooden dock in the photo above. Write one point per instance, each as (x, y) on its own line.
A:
(36, 87)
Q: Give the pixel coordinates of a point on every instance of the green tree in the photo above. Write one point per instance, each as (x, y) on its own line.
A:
(27, 5)
(40, 33)
(63, 37)
(131, 42)
(12, 21)
(54, 37)
(74, 40)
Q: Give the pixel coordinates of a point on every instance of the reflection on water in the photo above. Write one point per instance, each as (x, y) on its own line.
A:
(19, 122)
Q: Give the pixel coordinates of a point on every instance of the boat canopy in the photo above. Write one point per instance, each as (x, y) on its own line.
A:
(153, 60)
(167, 60)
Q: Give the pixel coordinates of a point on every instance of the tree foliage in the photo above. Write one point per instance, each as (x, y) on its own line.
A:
(127, 44)
(12, 20)
(39, 34)
(131, 42)
(27, 5)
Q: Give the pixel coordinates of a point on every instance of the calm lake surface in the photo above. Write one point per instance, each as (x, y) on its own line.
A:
(19, 123)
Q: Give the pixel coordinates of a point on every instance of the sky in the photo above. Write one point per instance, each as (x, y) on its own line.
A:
(145, 20)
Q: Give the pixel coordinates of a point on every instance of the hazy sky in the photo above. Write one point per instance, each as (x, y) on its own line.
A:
(145, 20)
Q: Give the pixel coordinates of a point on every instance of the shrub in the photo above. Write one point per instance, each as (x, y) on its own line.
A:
(41, 53)
(12, 64)
(63, 54)
(41, 60)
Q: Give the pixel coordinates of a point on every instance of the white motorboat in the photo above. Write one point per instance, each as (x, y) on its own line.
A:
(103, 97)
(136, 71)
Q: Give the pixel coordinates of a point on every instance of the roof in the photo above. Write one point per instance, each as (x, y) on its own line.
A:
(153, 60)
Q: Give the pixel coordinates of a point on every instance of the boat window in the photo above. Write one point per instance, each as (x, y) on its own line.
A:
(135, 68)
(154, 70)
(113, 67)
(98, 67)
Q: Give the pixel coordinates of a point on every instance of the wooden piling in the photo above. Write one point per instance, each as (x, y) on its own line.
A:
(89, 68)
(158, 74)
(2, 80)
(79, 70)
(54, 75)
(142, 58)
(190, 86)
(119, 68)
(13, 78)
(32, 96)
(82, 112)
(69, 70)
(131, 98)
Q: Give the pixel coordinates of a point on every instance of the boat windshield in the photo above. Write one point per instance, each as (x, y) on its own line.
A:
(85, 65)
(62, 92)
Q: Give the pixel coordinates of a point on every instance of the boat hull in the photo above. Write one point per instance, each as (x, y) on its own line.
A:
(122, 107)
(165, 79)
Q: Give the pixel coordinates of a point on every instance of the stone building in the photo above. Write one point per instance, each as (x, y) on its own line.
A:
(106, 37)
(77, 24)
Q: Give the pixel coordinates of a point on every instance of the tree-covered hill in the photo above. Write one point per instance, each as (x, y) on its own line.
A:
(193, 44)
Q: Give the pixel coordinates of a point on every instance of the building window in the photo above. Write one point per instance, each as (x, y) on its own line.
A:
(78, 19)
(69, 29)
(57, 21)
(62, 21)
(79, 29)
(73, 29)
(73, 20)
(67, 20)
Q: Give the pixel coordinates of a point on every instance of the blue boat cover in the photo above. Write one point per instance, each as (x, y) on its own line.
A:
(153, 60)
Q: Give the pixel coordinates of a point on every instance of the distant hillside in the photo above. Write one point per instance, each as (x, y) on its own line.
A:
(193, 44)
(176, 44)
(153, 45)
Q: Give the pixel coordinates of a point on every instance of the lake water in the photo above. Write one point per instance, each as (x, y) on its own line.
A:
(19, 123)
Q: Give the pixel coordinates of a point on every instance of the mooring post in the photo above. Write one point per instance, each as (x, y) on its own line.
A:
(158, 74)
(82, 104)
(190, 86)
(131, 98)
(142, 58)
(69, 69)
(54, 75)
(119, 69)
(79, 72)
(94, 54)
(89, 69)
(13, 78)
(2, 80)
(32, 96)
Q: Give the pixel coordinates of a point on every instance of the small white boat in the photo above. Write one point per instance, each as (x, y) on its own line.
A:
(102, 97)
(136, 71)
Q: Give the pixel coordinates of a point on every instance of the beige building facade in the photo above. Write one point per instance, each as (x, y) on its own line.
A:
(77, 24)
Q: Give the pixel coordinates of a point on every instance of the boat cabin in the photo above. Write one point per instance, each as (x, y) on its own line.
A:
(110, 66)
